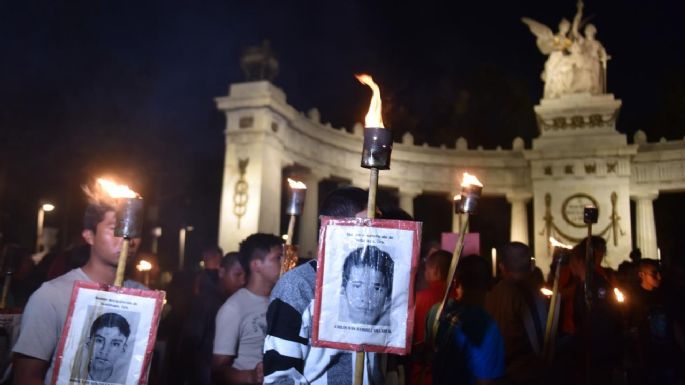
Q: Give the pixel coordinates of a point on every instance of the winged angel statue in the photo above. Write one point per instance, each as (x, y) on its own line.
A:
(577, 62)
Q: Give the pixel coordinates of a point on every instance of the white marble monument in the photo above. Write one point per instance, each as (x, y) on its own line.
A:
(578, 158)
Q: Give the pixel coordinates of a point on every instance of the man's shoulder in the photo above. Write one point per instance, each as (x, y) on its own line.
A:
(61, 284)
(504, 293)
(234, 300)
(299, 277)
(296, 287)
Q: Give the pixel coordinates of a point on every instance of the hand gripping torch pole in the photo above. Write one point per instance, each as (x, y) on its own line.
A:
(129, 212)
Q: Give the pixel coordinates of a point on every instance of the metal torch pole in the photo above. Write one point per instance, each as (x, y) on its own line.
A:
(589, 267)
(291, 230)
(6, 288)
(371, 214)
(552, 316)
(373, 188)
(450, 276)
(589, 270)
(289, 254)
(121, 265)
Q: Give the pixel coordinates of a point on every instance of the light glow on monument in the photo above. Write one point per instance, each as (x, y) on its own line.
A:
(373, 117)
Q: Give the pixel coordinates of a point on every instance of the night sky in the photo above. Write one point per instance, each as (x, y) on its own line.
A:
(127, 87)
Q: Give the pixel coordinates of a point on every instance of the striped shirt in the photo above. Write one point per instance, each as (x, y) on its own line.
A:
(289, 357)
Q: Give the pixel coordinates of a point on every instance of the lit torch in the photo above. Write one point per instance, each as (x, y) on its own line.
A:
(377, 142)
(298, 192)
(559, 255)
(144, 267)
(129, 214)
(471, 189)
(375, 156)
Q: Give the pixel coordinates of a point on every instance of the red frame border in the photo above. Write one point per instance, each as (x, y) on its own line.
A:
(159, 302)
(413, 226)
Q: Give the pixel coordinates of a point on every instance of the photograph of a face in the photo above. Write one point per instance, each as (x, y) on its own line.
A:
(108, 337)
(365, 278)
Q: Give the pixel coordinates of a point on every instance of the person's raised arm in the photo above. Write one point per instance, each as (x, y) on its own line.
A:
(29, 370)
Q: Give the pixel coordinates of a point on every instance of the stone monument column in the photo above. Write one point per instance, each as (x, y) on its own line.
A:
(519, 216)
(250, 199)
(309, 221)
(407, 199)
(645, 226)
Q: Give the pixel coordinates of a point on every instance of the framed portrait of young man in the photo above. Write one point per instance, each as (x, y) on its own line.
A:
(109, 335)
(365, 284)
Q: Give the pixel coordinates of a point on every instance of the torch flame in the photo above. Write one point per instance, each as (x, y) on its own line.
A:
(619, 295)
(144, 265)
(469, 180)
(296, 184)
(546, 292)
(373, 117)
(556, 243)
(117, 190)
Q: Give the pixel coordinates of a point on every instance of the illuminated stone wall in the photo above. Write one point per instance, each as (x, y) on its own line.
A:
(579, 154)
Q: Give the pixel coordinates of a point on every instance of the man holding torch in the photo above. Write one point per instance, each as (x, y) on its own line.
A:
(46, 311)
(519, 312)
(289, 357)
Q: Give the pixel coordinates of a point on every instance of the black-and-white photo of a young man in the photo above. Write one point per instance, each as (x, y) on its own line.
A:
(107, 346)
(105, 352)
(367, 287)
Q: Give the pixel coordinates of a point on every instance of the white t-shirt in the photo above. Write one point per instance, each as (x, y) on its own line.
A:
(241, 328)
(45, 314)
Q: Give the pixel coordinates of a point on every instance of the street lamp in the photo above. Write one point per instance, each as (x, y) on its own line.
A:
(182, 245)
(156, 233)
(46, 207)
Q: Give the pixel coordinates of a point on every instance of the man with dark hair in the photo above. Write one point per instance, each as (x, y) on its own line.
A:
(231, 274)
(289, 356)
(207, 280)
(107, 343)
(520, 312)
(46, 311)
(241, 321)
(469, 348)
(437, 267)
(198, 329)
(367, 286)
(658, 339)
(594, 325)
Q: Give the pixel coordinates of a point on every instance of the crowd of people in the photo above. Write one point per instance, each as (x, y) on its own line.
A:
(239, 321)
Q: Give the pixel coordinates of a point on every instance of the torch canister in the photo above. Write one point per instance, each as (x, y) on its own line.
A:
(129, 213)
(470, 195)
(296, 201)
(377, 148)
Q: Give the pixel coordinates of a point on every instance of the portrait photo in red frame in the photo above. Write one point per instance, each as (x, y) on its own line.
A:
(365, 284)
(109, 335)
